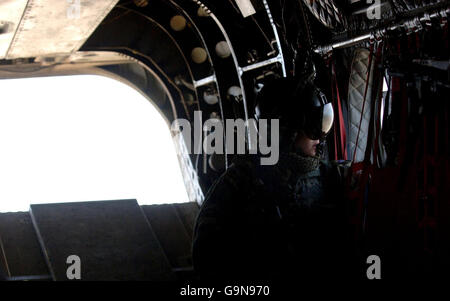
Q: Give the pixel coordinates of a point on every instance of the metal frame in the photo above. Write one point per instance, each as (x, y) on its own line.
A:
(408, 24)
(241, 70)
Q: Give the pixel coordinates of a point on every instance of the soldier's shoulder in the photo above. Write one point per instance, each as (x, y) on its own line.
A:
(239, 174)
(242, 166)
(336, 171)
(340, 165)
(231, 188)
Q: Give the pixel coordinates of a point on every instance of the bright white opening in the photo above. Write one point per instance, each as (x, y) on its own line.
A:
(385, 85)
(83, 138)
(385, 90)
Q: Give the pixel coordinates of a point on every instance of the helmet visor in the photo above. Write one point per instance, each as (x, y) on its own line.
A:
(319, 122)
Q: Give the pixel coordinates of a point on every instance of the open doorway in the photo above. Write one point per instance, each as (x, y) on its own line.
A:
(83, 138)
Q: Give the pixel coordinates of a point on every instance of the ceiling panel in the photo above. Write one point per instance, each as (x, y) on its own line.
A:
(11, 12)
(56, 26)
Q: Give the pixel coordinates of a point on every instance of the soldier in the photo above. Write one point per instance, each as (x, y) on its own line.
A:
(284, 220)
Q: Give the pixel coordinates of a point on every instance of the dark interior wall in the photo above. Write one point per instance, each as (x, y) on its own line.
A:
(33, 246)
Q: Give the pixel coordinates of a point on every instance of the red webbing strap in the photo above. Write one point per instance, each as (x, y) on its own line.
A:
(336, 156)
(425, 156)
(340, 120)
(377, 129)
(435, 162)
(329, 64)
(377, 87)
(446, 139)
(427, 221)
(372, 142)
(418, 43)
(369, 66)
(367, 170)
(380, 100)
(378, 123)
(435, 157)
(429, 193)
(436, 136)
(358, 195)
(335, 140)
(403, 124)
(421, 194)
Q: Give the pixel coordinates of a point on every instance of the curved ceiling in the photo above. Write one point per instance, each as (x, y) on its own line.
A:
(185, 55)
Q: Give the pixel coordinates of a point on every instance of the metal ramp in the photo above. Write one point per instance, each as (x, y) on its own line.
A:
(21, 257)
(115, 240)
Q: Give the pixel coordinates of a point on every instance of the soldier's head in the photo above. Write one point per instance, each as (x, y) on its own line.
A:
(305, 116)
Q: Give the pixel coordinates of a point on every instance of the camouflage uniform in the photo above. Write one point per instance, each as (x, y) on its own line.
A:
(267, 222)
